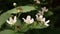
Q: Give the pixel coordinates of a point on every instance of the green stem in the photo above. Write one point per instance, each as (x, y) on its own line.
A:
(24, 28)
(19, 14)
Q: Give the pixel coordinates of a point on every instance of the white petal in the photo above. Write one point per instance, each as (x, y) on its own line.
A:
(23, 19)
(43, 20)
(41, 16)
(43, 9)
(39, 11)
(47, 21)
(47, 24)
(38, 1)
(32, 20)
(27, 21)
(10, 19)
(15, 19)
(36, 16)
(46, 10)
(7, 21)
(28, 17)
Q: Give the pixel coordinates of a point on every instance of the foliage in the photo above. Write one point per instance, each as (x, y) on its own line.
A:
(20, 26)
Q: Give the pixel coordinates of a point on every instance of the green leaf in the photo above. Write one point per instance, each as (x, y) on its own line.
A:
(27, 8)
(38, 25)
(7, 32)
(24, 27)
(20, 33)
(49, 13)
(0, 11)
(18, 22)
(24, 9)
(14, 10)
(4, 17)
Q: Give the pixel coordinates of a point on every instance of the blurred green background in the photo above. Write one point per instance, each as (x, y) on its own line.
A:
(53, 5)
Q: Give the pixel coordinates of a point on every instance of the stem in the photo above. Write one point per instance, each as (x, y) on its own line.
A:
(24, 28)
(19, 14)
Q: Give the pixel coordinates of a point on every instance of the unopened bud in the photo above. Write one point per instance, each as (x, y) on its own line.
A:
(19, 9)
(14, 4)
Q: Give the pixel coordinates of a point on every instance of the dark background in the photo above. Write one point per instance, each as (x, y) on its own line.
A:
(55, 18)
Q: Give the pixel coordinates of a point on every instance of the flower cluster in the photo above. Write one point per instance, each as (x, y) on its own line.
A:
(39, 16)
(44, 9)
(29, 20)
(42, 20)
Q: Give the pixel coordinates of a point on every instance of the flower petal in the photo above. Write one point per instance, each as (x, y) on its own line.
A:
(32, 20)
(41, 16)
(47, 24)
(47, 21)
(15, 19)
(38, 1)
(28, 17)
(7, 21)
(10, 19)
(43, 19)
(36, 16)
(23, 19)
(46, 10)
(43, 9)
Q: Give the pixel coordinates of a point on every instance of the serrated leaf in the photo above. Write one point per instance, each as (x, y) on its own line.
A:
(7, 32)
(4, 17)
(24, 9)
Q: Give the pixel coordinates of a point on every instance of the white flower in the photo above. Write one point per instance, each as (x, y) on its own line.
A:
(37, 1)
(46, 22)
(44, 9)
(40, 13)
(28, 20)
(39, 17)
(12, 21)
(42, 20)
(14, 4)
